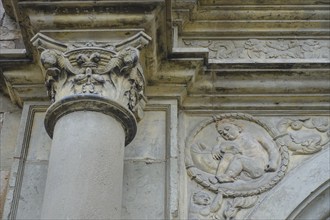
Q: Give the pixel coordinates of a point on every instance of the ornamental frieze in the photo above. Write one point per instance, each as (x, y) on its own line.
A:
(233, 158)
(252, 49)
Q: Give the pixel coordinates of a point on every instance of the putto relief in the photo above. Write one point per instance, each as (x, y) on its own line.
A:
(233, 158)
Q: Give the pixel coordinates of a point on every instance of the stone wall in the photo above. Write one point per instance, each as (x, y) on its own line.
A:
(150, 165)
(10, 35)
(10, 117)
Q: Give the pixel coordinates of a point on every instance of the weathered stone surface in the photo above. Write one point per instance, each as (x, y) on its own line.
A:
(40, 142)
(221, 155)
(255, 50)
(111, 71)
(144, 190)
(157, 114)
(312, 174)
(9, 123)
(7, 45)
(32, 190)
(8, 139)
(6, 105)
(150, 141)
(85, 173)
(10, 35)
(4, 178)
(317, 207)
(268, 60)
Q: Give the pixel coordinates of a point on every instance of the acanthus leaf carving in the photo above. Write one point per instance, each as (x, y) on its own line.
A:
(98, 69)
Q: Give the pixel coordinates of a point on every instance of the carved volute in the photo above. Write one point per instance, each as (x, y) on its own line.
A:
(109, 73)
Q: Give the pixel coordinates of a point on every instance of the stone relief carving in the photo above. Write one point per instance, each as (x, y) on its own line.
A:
(233, 206)
(263, 49)
(242, 153)
(203, 206)
(106, 70)
(234, 158)
(304, 135)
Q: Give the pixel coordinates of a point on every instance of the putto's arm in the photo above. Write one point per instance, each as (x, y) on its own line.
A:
(273, 154)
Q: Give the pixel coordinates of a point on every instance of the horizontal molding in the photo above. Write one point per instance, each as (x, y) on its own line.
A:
(146, 3)
(258, 102)
(265, 2)
(269, 13)
(254, 18)
(261, 50)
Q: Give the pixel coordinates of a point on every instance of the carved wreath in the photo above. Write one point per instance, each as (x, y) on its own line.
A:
(223, 184)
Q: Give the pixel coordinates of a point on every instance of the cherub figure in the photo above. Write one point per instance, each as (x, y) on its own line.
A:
(202, 206)
(242, 152)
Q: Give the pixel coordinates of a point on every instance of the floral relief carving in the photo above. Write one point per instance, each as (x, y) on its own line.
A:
(106, 70)
(234, 158)
(304, 135)
(263, 49)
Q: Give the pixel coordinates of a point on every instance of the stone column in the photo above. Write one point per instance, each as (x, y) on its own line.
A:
(97, 95)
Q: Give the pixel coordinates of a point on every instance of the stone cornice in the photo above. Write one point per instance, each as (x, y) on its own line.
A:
(251, 32)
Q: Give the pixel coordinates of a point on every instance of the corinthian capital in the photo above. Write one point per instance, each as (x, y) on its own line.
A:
(111, 71)
(105, 78)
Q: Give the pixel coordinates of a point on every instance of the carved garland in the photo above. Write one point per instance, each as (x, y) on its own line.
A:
(198, 175)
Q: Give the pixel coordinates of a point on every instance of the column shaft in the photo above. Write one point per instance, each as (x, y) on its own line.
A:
(85, 168)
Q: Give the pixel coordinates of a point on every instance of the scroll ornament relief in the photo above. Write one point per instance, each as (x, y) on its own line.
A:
(236, 157)
(264, 49)
(110, 71)
(305, 135)
(241, 162)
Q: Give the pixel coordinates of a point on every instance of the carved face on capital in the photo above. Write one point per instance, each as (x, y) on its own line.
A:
(228, 131)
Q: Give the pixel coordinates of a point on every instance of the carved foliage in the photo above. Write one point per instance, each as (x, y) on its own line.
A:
(95, 69)
(304, 135)
(263, 49)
